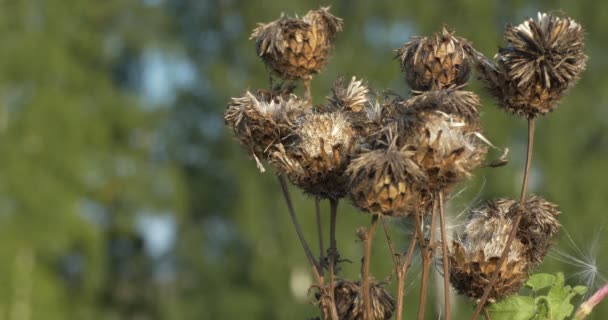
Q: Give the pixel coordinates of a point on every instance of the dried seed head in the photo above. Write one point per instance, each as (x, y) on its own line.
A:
(317, 158)
(297, 48)
(383, 180)
(443, 148)
(261, 120)
(351, 97)
(463, 104)
(349, 301)
(542, 60)
(538, 227)
(474, 258)
(435, 63)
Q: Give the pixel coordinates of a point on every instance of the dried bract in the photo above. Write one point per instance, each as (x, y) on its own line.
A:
(318, 155)
(542, 60)
(474, 258)
(351, 97)
(349, 301)
(260, 121)
(435, 63)
(463, 104)
(297, 48)
(383, 180)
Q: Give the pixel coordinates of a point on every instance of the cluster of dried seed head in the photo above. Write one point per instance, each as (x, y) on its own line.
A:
(297, 48)
(464, 104)
(542, 60)
(384, 181)
(349, 301)
(474, 258)
(435, 63)
(262, 120)
(318, 154)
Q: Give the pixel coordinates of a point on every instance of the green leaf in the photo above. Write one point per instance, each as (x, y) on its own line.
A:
(540, 281)
(513, 308)
(559, 298)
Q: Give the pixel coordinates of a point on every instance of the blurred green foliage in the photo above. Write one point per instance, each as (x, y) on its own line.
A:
(111, 133)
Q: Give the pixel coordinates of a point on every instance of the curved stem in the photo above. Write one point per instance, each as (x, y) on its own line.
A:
(518, 217)
(367, 302)
(446, 262)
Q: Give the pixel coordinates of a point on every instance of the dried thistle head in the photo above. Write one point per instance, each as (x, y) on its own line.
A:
(351, 97)
(463, 104)
(542, 60)
(443, 148)
(315, 160)
(474, 258)
(435, 63)
(538, 227)
(261, 120)
(297, 48)
(349, 301)
(383, 182)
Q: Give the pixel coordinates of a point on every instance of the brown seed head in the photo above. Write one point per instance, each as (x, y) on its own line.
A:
(474, 258)
(542, 60)
(349, 301)
(443, 148)
(435, 63)
(297, 48)
(351, 97)
(383, 180)
(262, 120)
(317, 158)
(463, 104)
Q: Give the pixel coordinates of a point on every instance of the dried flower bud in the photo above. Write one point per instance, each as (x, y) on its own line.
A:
(443, 148)
(262, 120)
(351, 97)
(435, 63)
(383, 180)
(317, 158)
(474, 258)
(349, 301)
(542, 60)
(297, 48)
(463, 104)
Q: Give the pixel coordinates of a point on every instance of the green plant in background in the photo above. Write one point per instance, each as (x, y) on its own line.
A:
(400, 158)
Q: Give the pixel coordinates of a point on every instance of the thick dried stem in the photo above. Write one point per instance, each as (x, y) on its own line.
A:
(307, 92)
(426, 252)
(518, 217)
(367, 302)
(444, 256)
(320, 234)
(401, 276)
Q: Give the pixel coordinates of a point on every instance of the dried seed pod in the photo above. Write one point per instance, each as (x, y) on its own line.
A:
(261, 120)
(538, 227)
(319, 154)
(443, 148)
(474, 258)
(463, 104)
(297, 48)
(542, 60)
(383, 180)
(351, 97)
(435, 63)
(349, 301)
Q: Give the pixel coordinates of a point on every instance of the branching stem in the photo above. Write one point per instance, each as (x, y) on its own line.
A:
(366, 266)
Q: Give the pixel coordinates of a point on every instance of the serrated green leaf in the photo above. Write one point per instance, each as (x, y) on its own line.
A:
(513, 308)
(540, 281)
(559, 298)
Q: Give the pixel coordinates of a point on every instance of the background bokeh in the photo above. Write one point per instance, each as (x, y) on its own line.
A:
(123, 196)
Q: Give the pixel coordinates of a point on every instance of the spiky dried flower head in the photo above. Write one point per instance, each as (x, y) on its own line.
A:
(383, 182)
(474, 258)
(349, 301)
(319, 152)
(297, 48)
(262, 120)
(437, 62)
(443, 148)
(463, 104)
(349, 97)
(542, 60)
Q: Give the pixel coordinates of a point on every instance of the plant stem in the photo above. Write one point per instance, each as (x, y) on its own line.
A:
(333, 254)
(309, 255)
(444, 256)
(426, 252)
(320, 234)
(307, 93)
(366, 265)
(518, 217)
(401, 276)
(486, 313)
